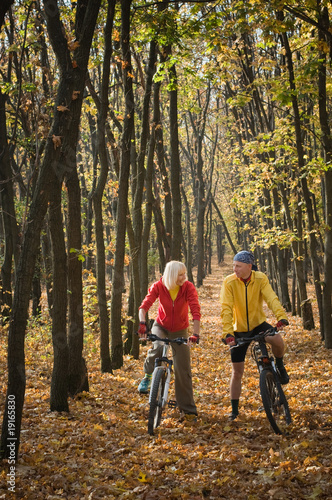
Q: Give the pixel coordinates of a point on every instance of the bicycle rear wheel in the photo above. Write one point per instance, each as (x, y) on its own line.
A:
(275, 402)
(156, 396)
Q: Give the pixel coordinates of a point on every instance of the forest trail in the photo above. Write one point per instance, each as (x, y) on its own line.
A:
(101, 449)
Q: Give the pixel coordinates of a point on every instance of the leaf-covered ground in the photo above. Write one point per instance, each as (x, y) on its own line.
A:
(101, 449)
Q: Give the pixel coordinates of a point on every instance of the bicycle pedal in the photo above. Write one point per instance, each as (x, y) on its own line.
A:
(172, 403)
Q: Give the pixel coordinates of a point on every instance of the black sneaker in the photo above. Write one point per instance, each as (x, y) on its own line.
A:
(233, 416)
(283, 375)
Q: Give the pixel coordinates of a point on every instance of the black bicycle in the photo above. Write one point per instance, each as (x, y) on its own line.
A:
(273, 397)
(160, 383)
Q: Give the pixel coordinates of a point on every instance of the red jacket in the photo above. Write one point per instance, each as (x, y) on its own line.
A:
(173, 316)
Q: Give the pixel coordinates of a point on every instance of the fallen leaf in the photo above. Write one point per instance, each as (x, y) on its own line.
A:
(62, 108)
(56, 141)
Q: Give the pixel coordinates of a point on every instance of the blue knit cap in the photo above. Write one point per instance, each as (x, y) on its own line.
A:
(247, 258)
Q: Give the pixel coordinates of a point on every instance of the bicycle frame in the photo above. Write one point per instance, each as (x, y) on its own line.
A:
(259, 349)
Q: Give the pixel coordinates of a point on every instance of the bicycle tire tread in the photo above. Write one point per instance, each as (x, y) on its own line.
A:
(156, 392)
(267, 383)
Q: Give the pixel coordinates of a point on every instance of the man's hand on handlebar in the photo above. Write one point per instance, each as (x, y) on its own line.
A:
(281, 323)
(230, 340)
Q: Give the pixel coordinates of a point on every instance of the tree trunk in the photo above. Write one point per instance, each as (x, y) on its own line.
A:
(148, 213)
(230, 241)
(136, 241)
(175, 167)
(59, 383)
(164, 229)
(47, 258)
(78, 380)
(97, 195)
(117, 283)
(327, 290)
(4, 7)
(188, 255)
(323, 21)
(282, 267)
(8, 216)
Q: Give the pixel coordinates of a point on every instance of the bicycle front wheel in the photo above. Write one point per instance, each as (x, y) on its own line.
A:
(156, 399)
(275, 402)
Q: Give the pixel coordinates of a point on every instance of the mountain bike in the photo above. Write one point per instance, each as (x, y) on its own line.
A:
(273, 397)
(161, 378)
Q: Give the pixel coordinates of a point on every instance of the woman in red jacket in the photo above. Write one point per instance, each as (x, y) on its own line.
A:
(175, 295)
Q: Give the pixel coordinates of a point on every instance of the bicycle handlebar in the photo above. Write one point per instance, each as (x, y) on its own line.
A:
(178, 340)
(260, 336)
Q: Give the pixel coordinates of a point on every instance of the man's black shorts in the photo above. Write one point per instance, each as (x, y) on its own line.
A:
(238, 354)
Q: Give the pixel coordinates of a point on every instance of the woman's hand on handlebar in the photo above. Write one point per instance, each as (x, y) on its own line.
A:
(193, 339)
(142, 330)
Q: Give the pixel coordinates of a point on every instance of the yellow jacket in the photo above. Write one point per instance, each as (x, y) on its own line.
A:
(242, 303)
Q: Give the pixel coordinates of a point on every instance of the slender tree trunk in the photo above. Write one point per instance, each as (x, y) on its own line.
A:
(135, 278)
(78, 380)
(230, 241)
(117, 283)
(8, 216)
(327, 142)
(162, 237)
(97, 195)
(4, 7)
(282, 268)
(189, 255)
(327, 290)
(165, 236)
(59, 383)
(136, 240)
(46, 254)
(175, 167)
(148, 214)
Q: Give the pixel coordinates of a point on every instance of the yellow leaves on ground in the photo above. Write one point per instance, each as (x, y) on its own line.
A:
(101, 449)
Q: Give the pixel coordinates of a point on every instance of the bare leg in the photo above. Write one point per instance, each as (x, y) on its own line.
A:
(236, 378)
(278, 345)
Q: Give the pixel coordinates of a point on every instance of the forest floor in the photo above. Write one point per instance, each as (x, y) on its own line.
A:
(101, 449)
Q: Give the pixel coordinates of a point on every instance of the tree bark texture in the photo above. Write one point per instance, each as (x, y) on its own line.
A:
(118, 280)
(59, 383)
(175, 167)
(9, 222)
(324, 24)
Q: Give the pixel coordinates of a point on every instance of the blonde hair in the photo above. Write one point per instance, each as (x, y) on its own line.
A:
(171, 273)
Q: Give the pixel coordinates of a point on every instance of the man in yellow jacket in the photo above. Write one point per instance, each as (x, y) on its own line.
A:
(242, 296)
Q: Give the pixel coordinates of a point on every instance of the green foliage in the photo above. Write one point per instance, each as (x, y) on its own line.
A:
(78, 253)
